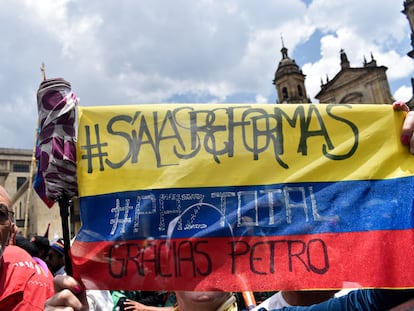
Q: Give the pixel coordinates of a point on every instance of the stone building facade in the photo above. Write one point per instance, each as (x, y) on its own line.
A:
(366, 85)
(363, 85)
(357, 85)
(32, 216)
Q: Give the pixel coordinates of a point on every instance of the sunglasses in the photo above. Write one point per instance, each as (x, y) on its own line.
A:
(5, 214)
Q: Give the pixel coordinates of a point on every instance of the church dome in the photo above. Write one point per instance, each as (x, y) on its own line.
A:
(286, 65)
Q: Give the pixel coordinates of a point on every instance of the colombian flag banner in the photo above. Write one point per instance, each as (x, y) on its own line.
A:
(243, 197)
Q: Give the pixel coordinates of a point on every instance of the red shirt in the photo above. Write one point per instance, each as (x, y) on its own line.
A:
(24, 285)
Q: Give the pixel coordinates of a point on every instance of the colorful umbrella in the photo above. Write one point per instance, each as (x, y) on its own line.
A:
(56, 176)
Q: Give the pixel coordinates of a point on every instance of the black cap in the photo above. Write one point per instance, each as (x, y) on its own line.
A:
(41, 242)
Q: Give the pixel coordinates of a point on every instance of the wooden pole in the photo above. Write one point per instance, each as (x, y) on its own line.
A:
(29, 190)
(32, 167)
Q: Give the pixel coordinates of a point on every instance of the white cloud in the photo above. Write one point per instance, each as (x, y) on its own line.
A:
(260, 99)
(150, 51)
(399, 66)
(404, 93)
(360, 28)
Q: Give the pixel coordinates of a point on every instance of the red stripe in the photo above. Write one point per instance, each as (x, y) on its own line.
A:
(322, 261)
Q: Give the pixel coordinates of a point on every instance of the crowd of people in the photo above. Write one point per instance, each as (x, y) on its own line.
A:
(32, 277)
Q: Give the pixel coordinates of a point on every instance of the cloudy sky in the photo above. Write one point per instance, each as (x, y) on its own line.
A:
(157, 51)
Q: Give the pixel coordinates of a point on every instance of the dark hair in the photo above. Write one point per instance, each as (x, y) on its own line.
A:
(29, 247)
(120, 303)
(58, 246)
(41, 242)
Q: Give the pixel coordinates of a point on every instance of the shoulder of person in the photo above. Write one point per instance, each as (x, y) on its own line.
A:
(21, 263)
(22, 276)
(14, 253)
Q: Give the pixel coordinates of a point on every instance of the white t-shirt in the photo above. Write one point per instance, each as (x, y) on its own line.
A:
(99, 300)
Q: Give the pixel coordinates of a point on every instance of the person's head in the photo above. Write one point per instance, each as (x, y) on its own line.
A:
(55, 258)
(211, 301)
(29, 247)
(7, 228)
(42, 244)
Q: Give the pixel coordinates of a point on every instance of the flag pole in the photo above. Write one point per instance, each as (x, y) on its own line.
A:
(32, 165)
(64, 203)
(29, 189)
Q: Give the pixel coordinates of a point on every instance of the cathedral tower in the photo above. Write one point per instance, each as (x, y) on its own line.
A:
(289, 81)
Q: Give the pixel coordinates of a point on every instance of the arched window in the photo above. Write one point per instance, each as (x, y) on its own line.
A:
(285, 93)
(352, 98)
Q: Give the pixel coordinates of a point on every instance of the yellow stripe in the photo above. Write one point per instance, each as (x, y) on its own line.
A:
(198, 145)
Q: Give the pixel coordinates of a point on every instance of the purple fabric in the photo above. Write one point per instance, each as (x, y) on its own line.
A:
(56, 140)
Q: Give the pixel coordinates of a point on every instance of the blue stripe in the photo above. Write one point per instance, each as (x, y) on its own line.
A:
(273, 210)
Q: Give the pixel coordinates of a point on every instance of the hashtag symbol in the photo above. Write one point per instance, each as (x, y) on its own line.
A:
(89, 147)
(117, 213)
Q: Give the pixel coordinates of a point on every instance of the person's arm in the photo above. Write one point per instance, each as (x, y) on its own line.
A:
(407, 129)
(364, 299)
(136, 306)
(68, 293)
